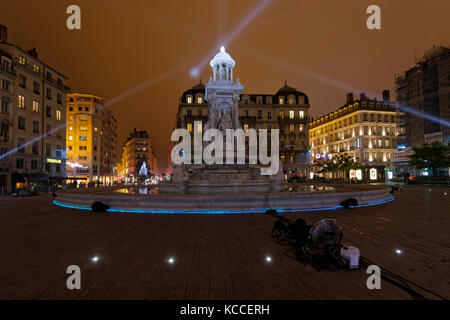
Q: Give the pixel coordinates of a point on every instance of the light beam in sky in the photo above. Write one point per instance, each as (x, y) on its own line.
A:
(338, 84)
(123, 95)
(239, 28)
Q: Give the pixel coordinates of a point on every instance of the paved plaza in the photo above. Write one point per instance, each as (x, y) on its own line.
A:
(215, 256)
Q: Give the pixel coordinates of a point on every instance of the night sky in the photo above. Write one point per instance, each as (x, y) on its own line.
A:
(321, 47)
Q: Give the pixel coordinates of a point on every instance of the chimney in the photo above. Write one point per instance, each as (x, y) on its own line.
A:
(3, 34)
(33, 53)
(349, 97)
(362, 96)
(385, 95)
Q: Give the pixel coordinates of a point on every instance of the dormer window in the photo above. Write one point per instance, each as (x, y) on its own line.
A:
(281, 100)
(199, 100)
(189, 99)
(258, 100)
(291, 100)
(268, 100)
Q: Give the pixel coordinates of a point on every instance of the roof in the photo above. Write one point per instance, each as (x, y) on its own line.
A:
(283, 91)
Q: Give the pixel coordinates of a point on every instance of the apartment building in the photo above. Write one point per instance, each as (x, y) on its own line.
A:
(36, 113)
(286, 110)
(91, 140)
(364, 128)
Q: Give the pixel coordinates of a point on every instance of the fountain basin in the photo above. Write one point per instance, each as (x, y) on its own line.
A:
(223, 203)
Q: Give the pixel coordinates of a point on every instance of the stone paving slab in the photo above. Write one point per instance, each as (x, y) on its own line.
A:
(216, 256)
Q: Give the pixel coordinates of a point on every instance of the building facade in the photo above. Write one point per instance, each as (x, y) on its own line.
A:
(34, 95)
(286, 110)
(137, 149)
(425, 88)
(91, 140)
(365, 129)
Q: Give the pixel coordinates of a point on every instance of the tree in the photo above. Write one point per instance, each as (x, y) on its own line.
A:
(433, 156)
(340, 163)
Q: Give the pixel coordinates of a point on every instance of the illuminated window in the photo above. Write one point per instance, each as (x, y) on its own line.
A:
(35, 68)
(70, 138)
(70, 118)
(21, 101)
(83, 128)
(70, 128)
(189, 99)
(281, 100)
(22, 60)
(189, 127)
(245, 127)
(282, 114)
(35, 106)
(199, 100)
(291, 127)
(58, 115)
(199, 128)
(301, 114)
(291, 114)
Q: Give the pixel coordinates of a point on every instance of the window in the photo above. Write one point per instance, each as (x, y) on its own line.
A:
(291, 127)
(20, 145)
(282, 114)
(21, 123)
(291, 114)
(86, 108)
(48, 112)
(49, 93)
(19, 163)
(189, 99)
(282, 143)
(35, 106)
(35, 126)
(301, 128)
(34, 164)
(59, 98)
(269, 115)
(58, 115)
(259, 114)
(35, 68)
(189, 113)
(22, 60)
(80, 108)
(189, 127)
(199, 100)
(5, 85)
(83, 128)
(199, 129)
(281, 100)
(22, 81)
(4, 106)
(48, 149)
(70, 138)
(36, 87)
(48, 128)
(21, 101)
(35, 148)
(301, 114)
(245, 127)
